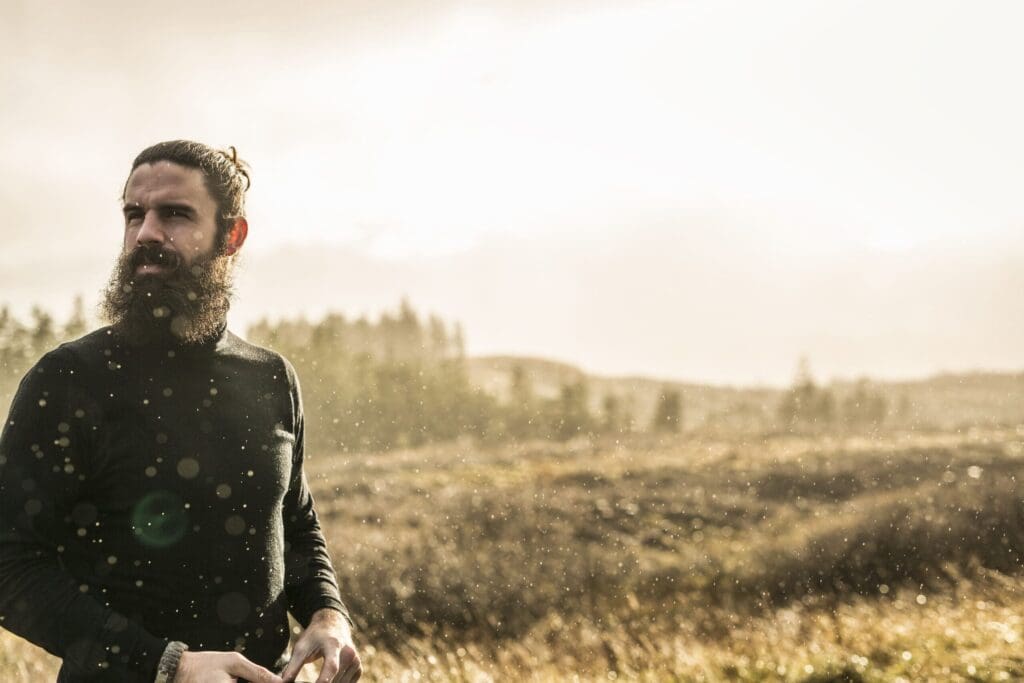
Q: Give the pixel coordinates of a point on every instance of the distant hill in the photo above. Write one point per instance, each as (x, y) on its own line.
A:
(961, 399)
(701, 402)
(943, 401)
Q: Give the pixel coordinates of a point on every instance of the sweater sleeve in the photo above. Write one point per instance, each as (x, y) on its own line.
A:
(44, 469)
(310, 582)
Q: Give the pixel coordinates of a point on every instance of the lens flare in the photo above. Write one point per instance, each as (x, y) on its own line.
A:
(159, 519)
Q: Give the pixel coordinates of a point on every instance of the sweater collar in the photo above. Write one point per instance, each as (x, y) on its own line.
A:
(168, 344)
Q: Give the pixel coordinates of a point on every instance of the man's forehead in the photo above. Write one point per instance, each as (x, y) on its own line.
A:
(165, 180)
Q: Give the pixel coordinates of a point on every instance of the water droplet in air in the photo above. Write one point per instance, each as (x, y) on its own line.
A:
(188, 468)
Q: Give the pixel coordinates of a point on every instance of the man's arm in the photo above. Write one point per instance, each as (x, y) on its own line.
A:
(44, 465)
(310, 583)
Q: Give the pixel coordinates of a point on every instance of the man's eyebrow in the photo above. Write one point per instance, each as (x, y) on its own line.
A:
(177, 206)
(162, 206)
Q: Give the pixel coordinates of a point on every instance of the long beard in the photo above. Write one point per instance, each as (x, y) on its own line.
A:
(186, 304)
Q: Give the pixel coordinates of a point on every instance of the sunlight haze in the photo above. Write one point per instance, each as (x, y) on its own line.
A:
(692, 190)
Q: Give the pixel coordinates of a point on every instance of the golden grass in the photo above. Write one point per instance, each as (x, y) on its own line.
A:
(796, 559)
(970, 634)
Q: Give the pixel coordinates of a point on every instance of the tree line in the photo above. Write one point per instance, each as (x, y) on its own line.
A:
(806, 406)
(22, 343)
(401, 380)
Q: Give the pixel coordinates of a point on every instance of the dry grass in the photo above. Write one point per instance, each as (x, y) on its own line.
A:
(956, 636)
(782, 559)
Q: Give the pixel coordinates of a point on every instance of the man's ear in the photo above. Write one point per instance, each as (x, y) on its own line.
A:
(236, 236)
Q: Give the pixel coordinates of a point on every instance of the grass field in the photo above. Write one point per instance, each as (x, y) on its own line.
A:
(783, 558)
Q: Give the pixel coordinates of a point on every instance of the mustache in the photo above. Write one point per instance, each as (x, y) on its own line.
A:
(153, 254)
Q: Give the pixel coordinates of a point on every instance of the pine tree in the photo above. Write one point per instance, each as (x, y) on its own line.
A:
(668, 415)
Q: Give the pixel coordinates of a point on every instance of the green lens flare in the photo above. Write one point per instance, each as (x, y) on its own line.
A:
(159, 519)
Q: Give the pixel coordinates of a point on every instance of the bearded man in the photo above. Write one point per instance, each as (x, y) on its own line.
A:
(155, 521)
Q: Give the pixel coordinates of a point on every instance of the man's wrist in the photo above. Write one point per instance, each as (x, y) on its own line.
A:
(333, 615)
(167, 669)
(328, 614)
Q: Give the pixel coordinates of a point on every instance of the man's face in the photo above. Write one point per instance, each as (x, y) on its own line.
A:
(171, 277)
(168, 206)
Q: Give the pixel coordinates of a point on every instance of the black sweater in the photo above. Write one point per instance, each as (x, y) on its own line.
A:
(156, 493)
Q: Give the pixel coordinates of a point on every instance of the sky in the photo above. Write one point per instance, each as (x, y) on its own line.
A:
(702, 191)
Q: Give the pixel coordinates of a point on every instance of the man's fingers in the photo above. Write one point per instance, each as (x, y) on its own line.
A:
(330, 668)
(351, 667)
(352, 673)
(294, 664)
(242, 667)
(350, 676)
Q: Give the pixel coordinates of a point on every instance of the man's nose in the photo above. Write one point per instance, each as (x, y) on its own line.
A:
(151, 232)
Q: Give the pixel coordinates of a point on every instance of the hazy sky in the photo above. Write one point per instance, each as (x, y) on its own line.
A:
(694, 190)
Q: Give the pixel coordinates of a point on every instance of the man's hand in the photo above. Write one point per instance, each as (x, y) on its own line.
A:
(220, 667)
(330, 637)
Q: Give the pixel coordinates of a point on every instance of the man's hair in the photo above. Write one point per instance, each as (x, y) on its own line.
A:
(225, 175)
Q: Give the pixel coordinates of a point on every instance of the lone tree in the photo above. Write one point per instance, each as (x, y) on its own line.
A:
(569, 412)
(612, 415)
(522, 410)
(668, 416)
(806, 404)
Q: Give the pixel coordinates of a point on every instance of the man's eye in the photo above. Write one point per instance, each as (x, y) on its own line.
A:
(132, 216)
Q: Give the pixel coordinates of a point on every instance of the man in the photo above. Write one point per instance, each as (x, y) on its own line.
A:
(155, 521)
